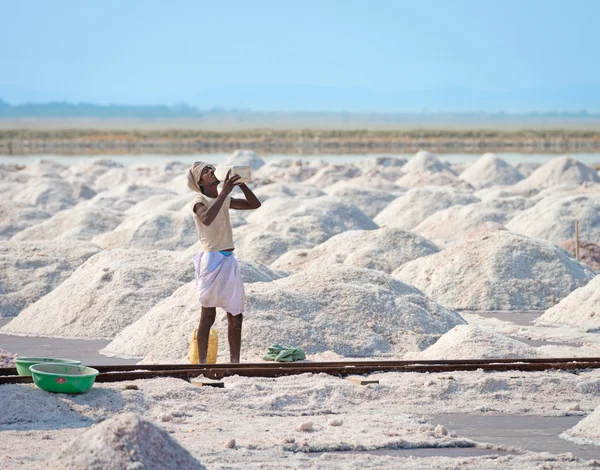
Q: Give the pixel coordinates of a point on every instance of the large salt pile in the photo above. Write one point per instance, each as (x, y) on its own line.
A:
(17, 216)
(174, 318)
(287, 171)
(31, 270)
(526, 168)
(554, 219)
(315, 219)
(332, 174)
(254, 243)
(424, 168)
(474, 342)
(168, 230)
(122, 197)
(426, 162)
(368, 182)
(489, 170)
(497, 271)
(7, 359)
(384, 249)
(89, 172)
(581, 308)
(160, 203)
(589, 252)
(370, 201)
(76, 223)
(586, 431)
(126, 441)
(245, 157)
(454, 223)
(563, 170)
(296, 190)
(53, 195)
(413, 207)
(350, 311)
(371, 163)
(108, 292)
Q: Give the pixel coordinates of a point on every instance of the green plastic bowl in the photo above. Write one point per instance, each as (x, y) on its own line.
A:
(63, 378)
(23, 363)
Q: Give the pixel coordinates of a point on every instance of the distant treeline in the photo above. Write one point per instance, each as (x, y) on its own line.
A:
(75, 141)
(90, 110)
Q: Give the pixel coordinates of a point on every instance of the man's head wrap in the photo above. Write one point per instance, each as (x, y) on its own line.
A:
(194, 175)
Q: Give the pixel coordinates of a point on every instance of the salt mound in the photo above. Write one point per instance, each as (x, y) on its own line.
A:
(25, 407)
(489, 170)
(245, 157)
(286, 171)
(426, 162)
(17, 216)
(589, 252)
(350, 311)
(30, 270)
(418, 180)
(554, 219)
(498, 271)
(562, 170)
(7, 359)
(121, 198)
(158, 231)
(586, 431)
(370, 182)
(581, 308)
(254, 244)
(332, 174)
(384, 249)
(76, 223)
(160, 203)
(526, 168)
(175, 318)
(412, 208)
(53, 195)
(46, 169)
(474, 342)
(296, 190)
(110, 291)
(89, 172)
(484, 229)
(371, 202)
(449, 225)
(125, 441)
(314, 219)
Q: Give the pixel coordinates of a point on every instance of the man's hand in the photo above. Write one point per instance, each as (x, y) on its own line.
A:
(230, 182)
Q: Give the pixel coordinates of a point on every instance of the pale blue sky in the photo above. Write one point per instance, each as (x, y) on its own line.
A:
(452, 55)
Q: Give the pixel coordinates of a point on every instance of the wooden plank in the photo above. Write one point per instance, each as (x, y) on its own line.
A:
(361, 381)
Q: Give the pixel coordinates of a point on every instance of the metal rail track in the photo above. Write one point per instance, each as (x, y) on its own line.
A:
(118, 373)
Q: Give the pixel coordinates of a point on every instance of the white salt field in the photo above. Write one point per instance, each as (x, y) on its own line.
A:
(350, 257)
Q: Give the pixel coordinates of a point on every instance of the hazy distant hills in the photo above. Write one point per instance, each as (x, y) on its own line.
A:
(57, 115)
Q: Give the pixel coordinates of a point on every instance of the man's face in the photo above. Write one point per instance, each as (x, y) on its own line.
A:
(208, 176)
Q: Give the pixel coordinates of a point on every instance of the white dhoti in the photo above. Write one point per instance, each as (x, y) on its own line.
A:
(219, 281)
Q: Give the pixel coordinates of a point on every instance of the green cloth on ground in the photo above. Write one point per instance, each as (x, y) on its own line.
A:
(281, 354)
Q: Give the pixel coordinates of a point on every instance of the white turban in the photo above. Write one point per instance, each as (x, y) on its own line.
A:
(194, 175)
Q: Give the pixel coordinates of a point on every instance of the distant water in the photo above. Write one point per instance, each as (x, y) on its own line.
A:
(136, 159)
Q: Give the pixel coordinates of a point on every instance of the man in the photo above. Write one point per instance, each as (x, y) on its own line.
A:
(218, 275)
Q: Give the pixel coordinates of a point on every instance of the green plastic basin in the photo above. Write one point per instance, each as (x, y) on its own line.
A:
(24, 363)
(63, 378)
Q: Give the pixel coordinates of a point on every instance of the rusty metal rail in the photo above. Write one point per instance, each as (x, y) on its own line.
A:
(117, 373)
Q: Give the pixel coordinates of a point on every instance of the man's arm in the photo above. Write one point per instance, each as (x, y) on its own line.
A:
(251, 201)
